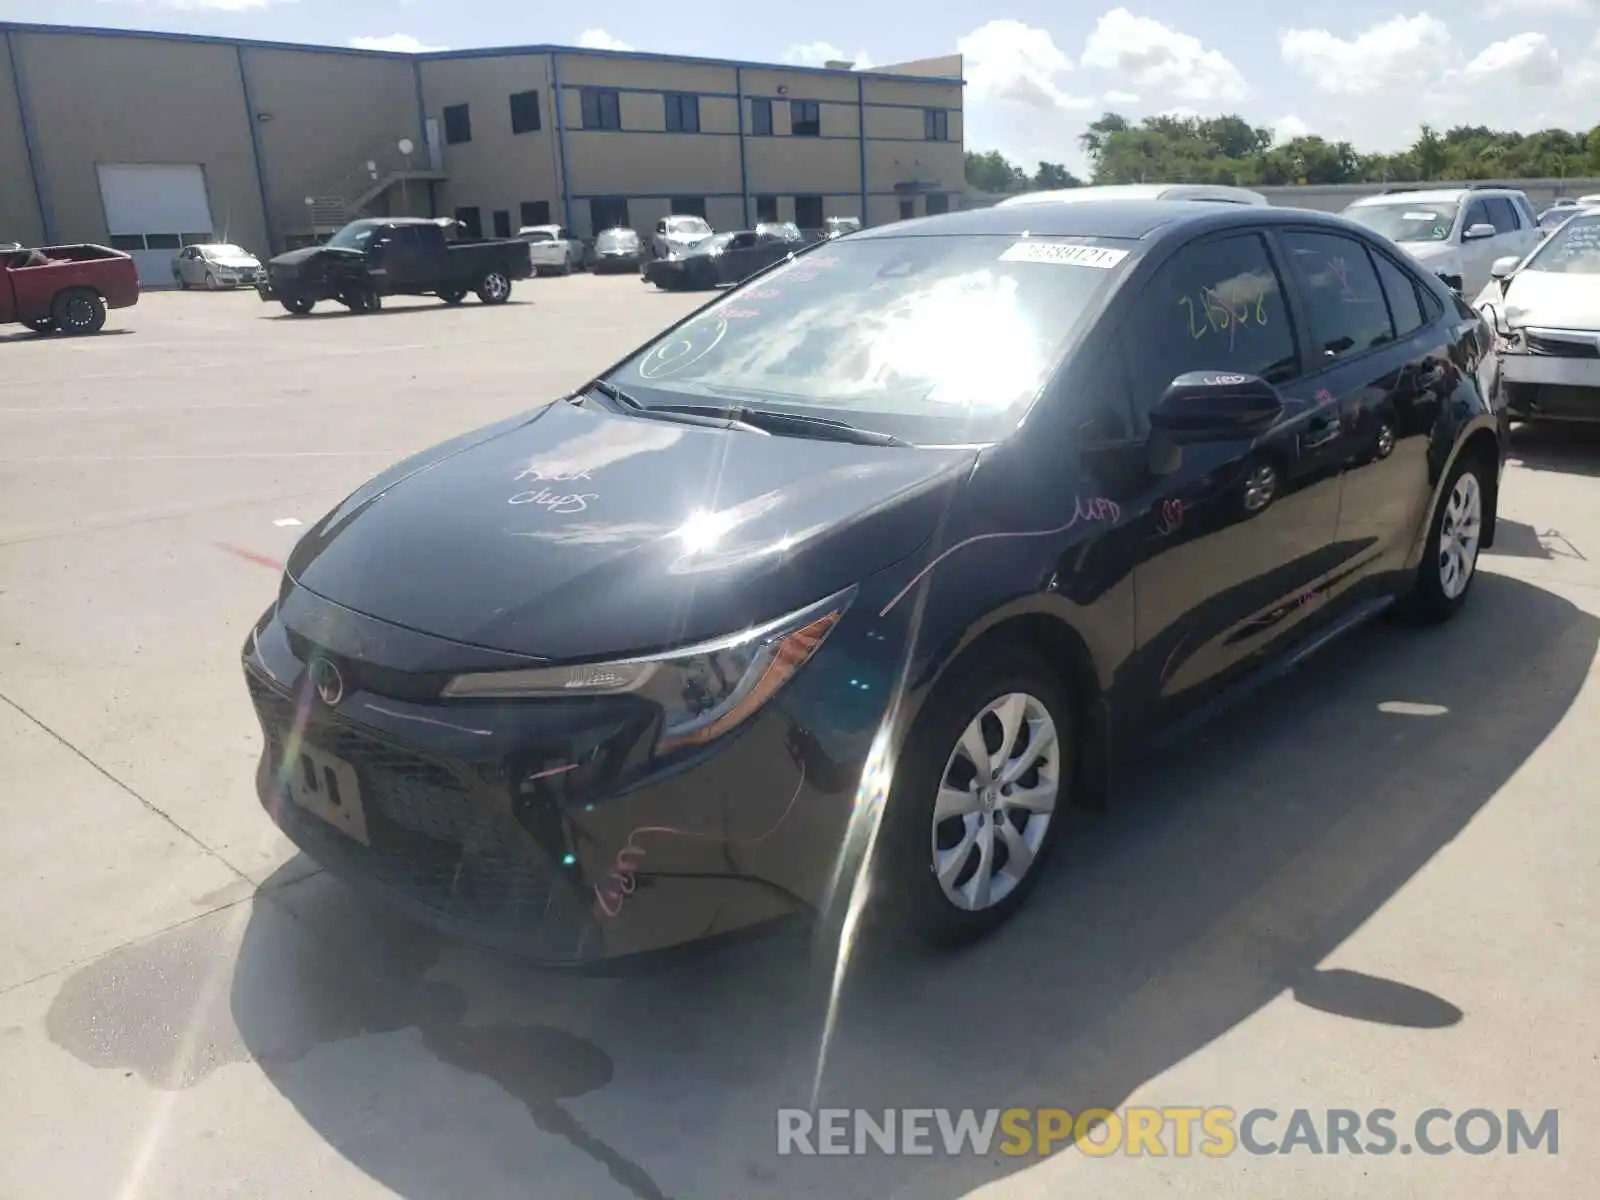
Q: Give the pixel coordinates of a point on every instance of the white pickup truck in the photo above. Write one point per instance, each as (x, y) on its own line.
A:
(552, 248)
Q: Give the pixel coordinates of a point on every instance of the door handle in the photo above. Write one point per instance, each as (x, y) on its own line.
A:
(1321, 430)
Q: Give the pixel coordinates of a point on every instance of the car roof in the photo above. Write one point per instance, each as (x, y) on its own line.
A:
(539, 229)
(1406, 195)
(1140, 191)
(1126, 219)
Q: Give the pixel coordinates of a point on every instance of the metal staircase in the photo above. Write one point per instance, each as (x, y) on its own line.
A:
(385, 173)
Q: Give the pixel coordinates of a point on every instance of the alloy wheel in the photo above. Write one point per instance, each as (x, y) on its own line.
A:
(996, 799)
(1385, 440)
(1459, 531)
(496, 286)
(1260, 486)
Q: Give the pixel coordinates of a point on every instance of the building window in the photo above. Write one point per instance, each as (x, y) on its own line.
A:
(761, 117)
(805, 118)
(689, 206)
(502, 223)
(536, 212)
(471, 221)
(936, 125)
(457, 123)
(601, 109)
(525, 112)
(908, 209)
(766, 208)
(608, 212)
(936, 202)
(808, 212)
(683, 113)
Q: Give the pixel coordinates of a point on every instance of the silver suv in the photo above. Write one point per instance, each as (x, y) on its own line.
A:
(1457, 233)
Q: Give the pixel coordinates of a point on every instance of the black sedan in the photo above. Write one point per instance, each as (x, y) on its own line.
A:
(868, 570)
(724, 258)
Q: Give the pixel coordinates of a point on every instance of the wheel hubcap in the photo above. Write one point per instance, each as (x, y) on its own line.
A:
(78, 312)
(1258, 488)
(996, 799)
(1459, 531)
(1385, 440)
(495, 285)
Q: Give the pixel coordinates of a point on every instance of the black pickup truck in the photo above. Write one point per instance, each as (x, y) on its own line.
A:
(398, 256)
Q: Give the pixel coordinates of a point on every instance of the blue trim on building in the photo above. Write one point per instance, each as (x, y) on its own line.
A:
(744, 173)
(655, 91)
(561, 143)
(30, 143)
(861, 136)
(483, 52)
(268, 224)
(631, 195)
(422, 112)
(666, 132)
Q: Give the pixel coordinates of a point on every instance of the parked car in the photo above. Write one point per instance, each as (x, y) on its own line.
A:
(213, 267)
(1455, 232)
(839, 226)
(1138, 191)
(618, 249)
(677, 233)
(786, 231)
(1546, 310)
(723, 258)
(399, 256)
(552, 248)
(65, 289)
(893, 550)
(1552, 217)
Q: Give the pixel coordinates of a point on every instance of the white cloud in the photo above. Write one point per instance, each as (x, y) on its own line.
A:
(205, 5)
(599, 39)
(1498, 8)
(1529, 59)
(818, 54)
(1159, 58)
(1401, 52)
(399, 43)
(1116, 97)
(1014, 63)
(1289, 127)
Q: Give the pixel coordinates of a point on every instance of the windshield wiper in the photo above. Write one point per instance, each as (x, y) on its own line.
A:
(772, 421)
(709, 419)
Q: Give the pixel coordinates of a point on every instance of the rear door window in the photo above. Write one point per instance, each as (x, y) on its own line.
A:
(1344, 302)
(1400, 289)
(1502, 215)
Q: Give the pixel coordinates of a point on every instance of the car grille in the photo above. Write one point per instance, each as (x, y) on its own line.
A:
(434, 842)
(1578, 346)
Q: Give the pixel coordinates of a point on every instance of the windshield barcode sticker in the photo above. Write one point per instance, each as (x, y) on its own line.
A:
(1063, 254)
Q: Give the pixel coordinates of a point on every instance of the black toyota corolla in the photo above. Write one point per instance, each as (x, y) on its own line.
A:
(914, 533)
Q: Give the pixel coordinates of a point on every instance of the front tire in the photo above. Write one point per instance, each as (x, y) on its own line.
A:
(1450, 561)
(298, 307)
(453, 298)
(41, 324)
(495, 288)
(979, 797)
(211, 282)
(78, 312)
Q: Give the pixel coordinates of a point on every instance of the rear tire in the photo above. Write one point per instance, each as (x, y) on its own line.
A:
(42, 324)
(495, 288)
(955, 877)
(1450, 560)
(78, 312)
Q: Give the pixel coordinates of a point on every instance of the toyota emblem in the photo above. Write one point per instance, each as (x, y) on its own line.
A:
(329, 683)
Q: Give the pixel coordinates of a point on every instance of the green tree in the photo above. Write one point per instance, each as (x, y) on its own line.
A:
(1053, 176)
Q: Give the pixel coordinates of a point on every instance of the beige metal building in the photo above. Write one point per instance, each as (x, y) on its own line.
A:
(149, 141)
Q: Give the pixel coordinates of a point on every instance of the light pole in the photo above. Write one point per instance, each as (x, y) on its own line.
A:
(406, 146)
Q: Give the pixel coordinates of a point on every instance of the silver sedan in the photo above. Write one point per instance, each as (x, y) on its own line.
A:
(215, 267)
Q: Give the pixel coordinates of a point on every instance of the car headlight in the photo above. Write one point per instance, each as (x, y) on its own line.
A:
(703, 691)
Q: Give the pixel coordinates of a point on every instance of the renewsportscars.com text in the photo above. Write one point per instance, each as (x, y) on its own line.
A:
(1175, 1132)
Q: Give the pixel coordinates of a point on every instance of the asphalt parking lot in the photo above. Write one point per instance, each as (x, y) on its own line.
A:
(1374, 888)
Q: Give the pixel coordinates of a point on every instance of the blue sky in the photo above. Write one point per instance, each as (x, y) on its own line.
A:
(1038, 72)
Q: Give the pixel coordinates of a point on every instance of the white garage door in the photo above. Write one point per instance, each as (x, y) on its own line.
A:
(153, 211)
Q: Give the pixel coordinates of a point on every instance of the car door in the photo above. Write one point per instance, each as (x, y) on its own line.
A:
(1231, 539)
(738, 257)
(1376, 367)
(574, 251)
(397, 251)
(1477, 254)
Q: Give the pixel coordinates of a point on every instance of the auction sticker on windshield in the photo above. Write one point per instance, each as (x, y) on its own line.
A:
(1063, 254)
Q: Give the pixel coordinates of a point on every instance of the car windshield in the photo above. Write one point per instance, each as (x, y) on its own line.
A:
(538, 235)
(1407, 222)
(938, 340)
(782, 229)
(353, 236)
(616, 239)
(717, 241)
(687, 226)
(224, 252)
(1574, 249)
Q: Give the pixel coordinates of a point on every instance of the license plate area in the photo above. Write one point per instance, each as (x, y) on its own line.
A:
(327, 786)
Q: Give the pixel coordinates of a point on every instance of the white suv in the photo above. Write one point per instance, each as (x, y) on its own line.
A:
(1457, 233)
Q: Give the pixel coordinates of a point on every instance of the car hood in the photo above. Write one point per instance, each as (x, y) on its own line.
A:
(237, 264)
(1551, 300)
(1429, 252)
(576, 534)
(293, 260)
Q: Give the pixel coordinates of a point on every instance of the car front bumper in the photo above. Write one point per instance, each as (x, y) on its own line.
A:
(541, 828)
(1560, 385)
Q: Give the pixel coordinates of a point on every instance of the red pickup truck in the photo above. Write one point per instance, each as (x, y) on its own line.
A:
(65, 289)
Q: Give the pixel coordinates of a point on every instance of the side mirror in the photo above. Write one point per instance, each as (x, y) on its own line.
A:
(1206, 405)
(1503, 267)
(1481, 230)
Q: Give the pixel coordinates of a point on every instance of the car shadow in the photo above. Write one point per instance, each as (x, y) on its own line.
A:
(1572, 449)
(28, 335)
(1228, 871)
(390, 309)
